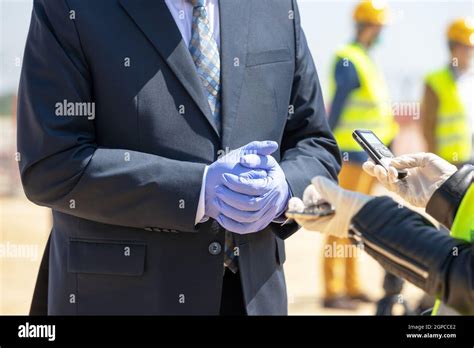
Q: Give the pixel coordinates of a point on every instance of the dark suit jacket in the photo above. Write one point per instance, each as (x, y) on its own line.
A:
(124, 186)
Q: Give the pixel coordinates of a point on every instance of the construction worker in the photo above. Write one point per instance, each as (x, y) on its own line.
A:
(359, 100)
(448, 106)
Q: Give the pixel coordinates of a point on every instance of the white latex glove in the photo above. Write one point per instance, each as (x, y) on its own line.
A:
(346, 203)
(426, 173)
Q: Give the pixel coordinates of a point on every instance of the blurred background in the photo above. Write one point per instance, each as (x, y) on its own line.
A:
(413, 44)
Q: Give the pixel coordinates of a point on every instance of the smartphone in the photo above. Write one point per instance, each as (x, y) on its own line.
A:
(319, 209)
(376, 150)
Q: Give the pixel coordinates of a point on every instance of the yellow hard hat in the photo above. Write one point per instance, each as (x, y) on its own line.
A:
(371, 11)
(462, 30)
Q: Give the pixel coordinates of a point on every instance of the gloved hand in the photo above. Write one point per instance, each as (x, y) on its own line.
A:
(249, 205)
(230, 163)
(426, 173)
(346, 203)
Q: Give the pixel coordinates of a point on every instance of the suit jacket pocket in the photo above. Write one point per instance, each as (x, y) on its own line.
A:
(106, 257)
(267, 57)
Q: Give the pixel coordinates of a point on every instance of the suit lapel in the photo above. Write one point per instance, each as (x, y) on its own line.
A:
(234, 23)
(157, 23)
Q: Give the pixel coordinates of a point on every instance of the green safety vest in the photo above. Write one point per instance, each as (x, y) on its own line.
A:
(453, 135)
(367, 107)
(463, 228)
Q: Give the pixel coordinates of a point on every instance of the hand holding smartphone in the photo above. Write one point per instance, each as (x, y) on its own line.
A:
(376, 150)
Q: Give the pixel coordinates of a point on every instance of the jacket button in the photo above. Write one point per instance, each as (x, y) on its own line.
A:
(215, 248)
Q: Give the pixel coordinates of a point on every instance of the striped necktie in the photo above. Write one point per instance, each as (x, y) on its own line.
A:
(205, 53)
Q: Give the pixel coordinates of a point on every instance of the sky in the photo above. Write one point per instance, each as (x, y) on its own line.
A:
(413, 44)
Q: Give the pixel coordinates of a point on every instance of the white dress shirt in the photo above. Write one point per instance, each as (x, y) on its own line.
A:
(182, 12)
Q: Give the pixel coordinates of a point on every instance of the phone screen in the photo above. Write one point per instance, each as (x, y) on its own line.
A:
(376, 150)
(371, 138)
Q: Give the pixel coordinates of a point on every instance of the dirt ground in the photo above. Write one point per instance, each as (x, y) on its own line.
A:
(24, 225)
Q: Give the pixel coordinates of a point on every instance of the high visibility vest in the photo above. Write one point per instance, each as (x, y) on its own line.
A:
(453, 130)
(463, 228)
(367, 107)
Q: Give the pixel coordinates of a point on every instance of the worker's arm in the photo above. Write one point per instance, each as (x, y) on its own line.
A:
(444, 203)
(347, 80)
(409, 246)
(429, 111)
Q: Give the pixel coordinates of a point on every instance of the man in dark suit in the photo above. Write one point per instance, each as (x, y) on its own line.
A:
(128, 114)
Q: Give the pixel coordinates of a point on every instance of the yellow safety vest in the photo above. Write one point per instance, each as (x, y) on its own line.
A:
(367, 107)
(453, 136)
(463, 228)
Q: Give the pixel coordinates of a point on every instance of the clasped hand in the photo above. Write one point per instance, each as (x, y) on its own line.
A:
(246, 189)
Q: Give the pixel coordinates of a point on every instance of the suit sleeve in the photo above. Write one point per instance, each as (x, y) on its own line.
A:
(309, 148)
(61, 165)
